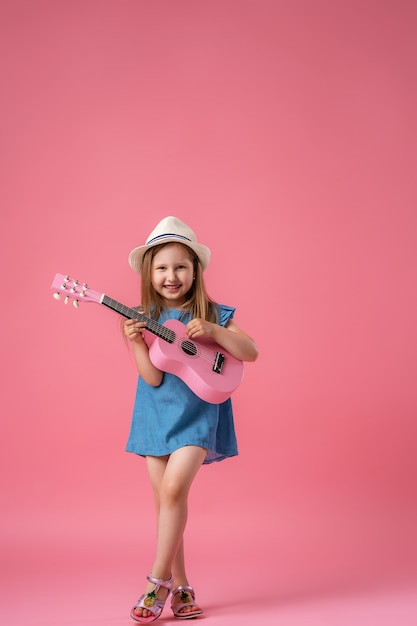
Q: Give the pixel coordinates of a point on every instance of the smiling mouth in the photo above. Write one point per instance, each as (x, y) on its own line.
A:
(172, 287)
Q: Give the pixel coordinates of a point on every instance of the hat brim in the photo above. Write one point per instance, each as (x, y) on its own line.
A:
(137, 254)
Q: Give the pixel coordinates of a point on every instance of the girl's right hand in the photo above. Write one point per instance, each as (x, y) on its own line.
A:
(134, 330)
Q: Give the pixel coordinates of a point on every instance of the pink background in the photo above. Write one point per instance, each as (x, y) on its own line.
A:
(284, 133)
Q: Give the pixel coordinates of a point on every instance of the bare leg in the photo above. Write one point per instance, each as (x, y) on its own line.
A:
(171, 478)
(178, 567)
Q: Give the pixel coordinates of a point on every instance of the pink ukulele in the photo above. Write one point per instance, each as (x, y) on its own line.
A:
(209, 371)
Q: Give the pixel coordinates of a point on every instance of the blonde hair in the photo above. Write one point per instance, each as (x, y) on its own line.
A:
(198, 301)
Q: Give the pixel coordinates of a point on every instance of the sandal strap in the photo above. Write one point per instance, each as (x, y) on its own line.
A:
(184, 602)
(159, 582)
(156, 606)
(185, 588)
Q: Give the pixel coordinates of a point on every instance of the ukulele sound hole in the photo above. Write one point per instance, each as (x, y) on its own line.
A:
(189, 348)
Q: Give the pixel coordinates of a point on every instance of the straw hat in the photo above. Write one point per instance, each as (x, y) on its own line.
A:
(170, 230)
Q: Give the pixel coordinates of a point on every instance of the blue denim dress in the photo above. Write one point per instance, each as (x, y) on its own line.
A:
(171, 416)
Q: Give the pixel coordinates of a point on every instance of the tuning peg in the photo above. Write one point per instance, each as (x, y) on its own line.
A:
(76, 303)
(66, 300)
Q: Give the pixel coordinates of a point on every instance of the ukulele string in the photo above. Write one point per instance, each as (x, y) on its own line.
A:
(195, 349)
(201, 351)
(166, 334)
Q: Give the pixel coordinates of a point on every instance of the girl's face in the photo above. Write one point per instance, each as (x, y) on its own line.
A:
(172, 274)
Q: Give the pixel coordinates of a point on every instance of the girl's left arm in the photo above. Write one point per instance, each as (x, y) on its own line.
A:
(229, 337)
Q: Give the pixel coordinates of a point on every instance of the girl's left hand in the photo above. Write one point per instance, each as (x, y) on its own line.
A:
(199, 328)
(230, 337)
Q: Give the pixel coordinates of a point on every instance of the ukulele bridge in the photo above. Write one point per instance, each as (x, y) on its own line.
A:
(218, 363)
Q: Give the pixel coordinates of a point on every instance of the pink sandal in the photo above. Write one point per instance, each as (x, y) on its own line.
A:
(150, 602)
(187, 599)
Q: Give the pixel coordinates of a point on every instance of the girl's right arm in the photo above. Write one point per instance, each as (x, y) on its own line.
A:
(134, 332)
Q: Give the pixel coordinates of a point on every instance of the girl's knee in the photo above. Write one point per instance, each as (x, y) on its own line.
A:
(173, 492)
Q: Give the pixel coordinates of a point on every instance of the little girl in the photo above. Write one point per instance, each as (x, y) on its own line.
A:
(172, 427)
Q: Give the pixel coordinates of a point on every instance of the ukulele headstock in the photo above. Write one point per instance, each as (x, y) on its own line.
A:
(71, 289)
